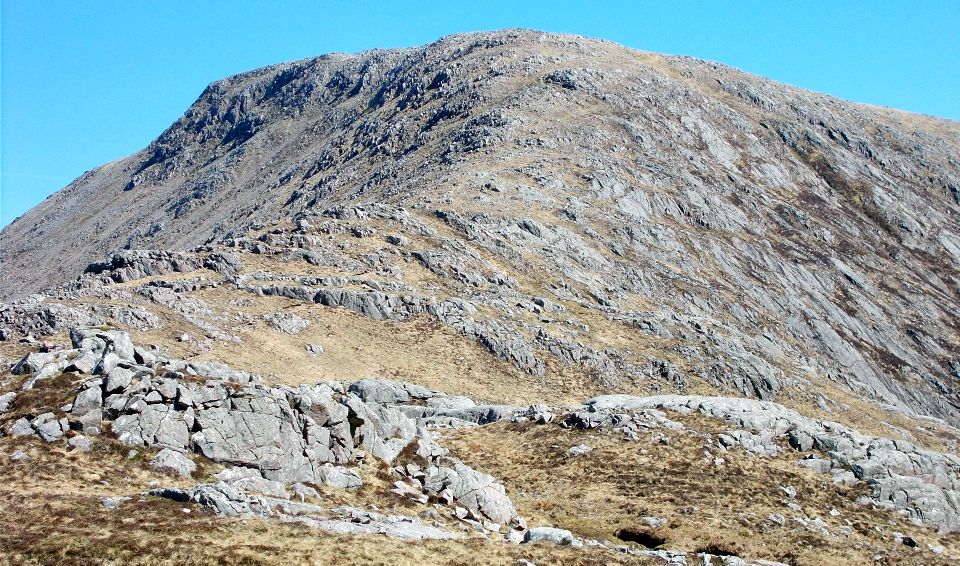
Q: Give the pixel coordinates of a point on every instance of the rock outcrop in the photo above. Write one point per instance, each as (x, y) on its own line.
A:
(314, 433)
(922, 483)
(285, 434)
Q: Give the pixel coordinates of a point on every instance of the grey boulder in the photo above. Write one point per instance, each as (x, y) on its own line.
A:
(6, 401)
(173, 462)
(549, 534)
(476, 491)
(339, 476)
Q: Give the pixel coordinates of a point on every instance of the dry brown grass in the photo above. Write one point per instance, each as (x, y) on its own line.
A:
(726, 507)
(51, 514)
(75, 530)
(421, 350)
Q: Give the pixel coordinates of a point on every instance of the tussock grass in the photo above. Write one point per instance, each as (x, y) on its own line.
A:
(50, 513)
(605, 493)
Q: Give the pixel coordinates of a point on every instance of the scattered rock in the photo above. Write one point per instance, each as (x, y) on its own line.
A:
(113, 502)
(225, 499)
(80, 443)
(288, 435)
(173, 462)
(6, 400)
(549, 534)
(287, 323)
(540, 414)
(653, 522)
(579, 450)
(905, 540)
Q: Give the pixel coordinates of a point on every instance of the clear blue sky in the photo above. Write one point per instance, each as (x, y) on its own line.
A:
(83, 83)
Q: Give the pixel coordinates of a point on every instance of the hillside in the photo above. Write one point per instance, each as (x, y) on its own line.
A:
(668, 306)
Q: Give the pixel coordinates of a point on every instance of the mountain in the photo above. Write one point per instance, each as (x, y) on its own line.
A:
(519, 221)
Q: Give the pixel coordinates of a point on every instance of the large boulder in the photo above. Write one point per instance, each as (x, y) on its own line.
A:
(478, 492)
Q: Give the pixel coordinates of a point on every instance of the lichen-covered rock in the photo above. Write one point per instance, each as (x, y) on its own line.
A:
(478, 492)
(6, 401)
(388, 392)
(173, 462)
(549, 534)
(250, 480)
(381, 430)
(259, 430)
(339, 476)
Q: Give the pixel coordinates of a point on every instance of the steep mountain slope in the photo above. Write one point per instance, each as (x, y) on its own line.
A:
(526, 218)
(650, 185)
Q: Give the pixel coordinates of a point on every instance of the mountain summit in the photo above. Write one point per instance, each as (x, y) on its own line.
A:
(519, 219)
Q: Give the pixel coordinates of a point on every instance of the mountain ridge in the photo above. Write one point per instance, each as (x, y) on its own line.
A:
(518, 36)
